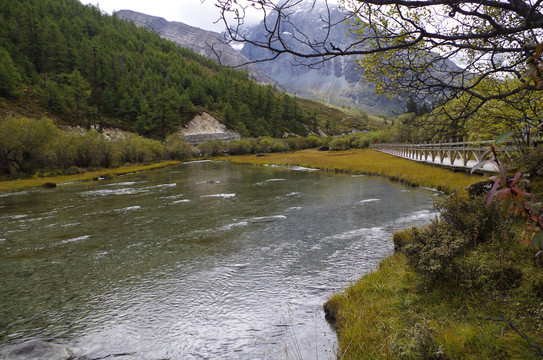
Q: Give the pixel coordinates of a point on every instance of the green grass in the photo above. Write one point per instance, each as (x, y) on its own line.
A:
(370, 162)
(365, 313)
(14, 185)
(388, 312)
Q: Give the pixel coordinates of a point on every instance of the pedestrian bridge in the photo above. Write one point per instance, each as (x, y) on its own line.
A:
(462, 155)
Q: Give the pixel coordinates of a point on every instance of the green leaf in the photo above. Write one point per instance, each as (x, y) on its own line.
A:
(503, 137)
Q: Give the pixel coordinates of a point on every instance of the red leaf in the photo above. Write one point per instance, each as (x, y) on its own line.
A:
(503, 193)
(516, 178)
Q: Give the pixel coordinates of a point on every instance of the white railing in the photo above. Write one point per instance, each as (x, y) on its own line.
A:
(457, 155)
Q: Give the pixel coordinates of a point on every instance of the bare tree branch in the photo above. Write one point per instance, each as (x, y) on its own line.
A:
(520, 333)
(409, 48)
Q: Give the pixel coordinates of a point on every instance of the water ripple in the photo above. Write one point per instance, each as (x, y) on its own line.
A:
(108, 192)
(181, 201)
(218, 196)
(76, 239)
(368, 201)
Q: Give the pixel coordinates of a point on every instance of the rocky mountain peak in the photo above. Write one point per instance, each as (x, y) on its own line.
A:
(337, 81)
(206, 43)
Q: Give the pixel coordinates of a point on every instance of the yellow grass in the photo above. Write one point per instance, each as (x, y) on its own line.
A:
(379, 313)
(370, 162)
(14, 185)
(367, 315)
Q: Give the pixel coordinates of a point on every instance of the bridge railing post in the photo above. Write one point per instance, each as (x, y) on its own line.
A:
(452, 151)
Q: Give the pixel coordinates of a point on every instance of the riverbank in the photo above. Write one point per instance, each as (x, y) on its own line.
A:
(52, 181)
(359, 161)
(368, 162)
(487, 305)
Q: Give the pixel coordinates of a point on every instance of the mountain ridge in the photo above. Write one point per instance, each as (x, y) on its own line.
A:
(203, 42)
(337, 82)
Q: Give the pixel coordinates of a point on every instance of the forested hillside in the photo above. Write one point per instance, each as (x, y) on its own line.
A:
(89, 69)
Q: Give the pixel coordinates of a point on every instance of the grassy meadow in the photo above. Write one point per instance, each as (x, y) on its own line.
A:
(370, 162)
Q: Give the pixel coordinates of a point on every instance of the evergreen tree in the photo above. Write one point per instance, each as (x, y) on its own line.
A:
(94, 68)
(9, 77)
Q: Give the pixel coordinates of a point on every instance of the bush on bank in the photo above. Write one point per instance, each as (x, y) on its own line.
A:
(463, 287)
(38, 147)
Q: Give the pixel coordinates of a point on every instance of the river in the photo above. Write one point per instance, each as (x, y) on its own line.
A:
(205, 260)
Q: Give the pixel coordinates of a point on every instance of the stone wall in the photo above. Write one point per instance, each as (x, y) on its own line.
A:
(195, 139)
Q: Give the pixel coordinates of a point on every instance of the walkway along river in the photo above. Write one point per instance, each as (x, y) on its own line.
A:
(201, 260)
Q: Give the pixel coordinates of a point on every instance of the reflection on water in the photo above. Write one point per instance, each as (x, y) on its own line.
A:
(203, 260)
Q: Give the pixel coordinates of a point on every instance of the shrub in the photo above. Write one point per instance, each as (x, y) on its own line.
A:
(490, 267)
(176, 149)
(354, 138)
(88, 149)
(533, 162)
(26, 144)
(313, 142)
(440, 250)
(533, 165)
(433, 250)
(211, 148)
(136, 149)
(265, 144)
(339, 143)
(64, 150)
(240, 147)
(155, 148)
(296, 143)
(278, 146)
(473, 217)
(361, 142)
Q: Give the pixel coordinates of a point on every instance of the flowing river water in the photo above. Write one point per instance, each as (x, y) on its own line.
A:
(204, 260)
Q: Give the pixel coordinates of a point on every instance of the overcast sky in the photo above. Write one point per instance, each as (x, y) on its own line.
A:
(191, 12)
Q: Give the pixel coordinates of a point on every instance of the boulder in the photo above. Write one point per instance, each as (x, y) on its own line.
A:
(479, 188)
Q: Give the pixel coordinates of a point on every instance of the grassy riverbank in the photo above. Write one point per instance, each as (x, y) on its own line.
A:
(370, 162)
(20, 184)
(480, 290)
(392, 314)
